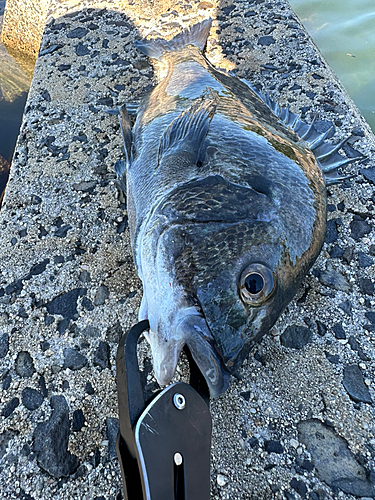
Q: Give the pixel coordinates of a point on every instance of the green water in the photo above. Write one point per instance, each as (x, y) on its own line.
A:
(344, 31)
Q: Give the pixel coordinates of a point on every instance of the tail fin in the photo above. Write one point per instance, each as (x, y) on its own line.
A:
(197, 35)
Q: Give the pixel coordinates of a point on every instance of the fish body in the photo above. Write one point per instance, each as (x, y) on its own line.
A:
(226, 207)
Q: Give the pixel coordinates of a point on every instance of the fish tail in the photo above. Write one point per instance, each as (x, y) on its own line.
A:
(197, 35)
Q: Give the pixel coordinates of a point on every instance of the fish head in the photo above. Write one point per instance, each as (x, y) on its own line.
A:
(219, 278)
(218, 288)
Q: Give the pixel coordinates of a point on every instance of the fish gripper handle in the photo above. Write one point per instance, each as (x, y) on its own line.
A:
(163, 444)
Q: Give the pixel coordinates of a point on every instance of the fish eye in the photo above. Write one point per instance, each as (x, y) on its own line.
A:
(257, 284)
(254, 283)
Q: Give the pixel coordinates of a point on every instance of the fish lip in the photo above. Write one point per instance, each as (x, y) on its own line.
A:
(193, 332)
(200, 342)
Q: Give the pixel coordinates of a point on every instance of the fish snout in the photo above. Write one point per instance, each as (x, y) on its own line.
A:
(193, 331)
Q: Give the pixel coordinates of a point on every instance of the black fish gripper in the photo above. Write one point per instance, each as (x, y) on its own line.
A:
(163, 444)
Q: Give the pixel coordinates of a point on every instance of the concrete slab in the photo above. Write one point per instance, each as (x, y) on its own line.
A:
(68, 281)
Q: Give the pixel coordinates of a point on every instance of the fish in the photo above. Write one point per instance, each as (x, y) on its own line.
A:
(226, 200)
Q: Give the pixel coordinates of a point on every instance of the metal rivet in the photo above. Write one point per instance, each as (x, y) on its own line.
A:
(179, 401)
(177, 458)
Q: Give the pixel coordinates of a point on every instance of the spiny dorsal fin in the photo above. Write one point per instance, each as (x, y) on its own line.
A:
(329, 159)
(196, 35)
(188, 130)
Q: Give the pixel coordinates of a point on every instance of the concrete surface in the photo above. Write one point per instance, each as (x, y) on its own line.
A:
(24, 22)
(68, 287)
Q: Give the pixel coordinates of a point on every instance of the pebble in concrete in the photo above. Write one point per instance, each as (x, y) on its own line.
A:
(366, 285)
(359, 227)
(51, 441)
(296, 336)
(334, 462)
(66, 304)
(78, 420)
(332, 232)
(10, 407)
(273, 446)
(354, 384)
(299, 486)
(369, 174)
(101, 295)
(334, 279)
(339, 331)
(4, 344)
(321, 328)
(24, 365)
(73, 359)
(31, 398)
(364, 260)
(112, 428)
(101, 356)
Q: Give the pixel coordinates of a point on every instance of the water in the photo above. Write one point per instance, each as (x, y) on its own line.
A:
(344, 31)
(15, 76)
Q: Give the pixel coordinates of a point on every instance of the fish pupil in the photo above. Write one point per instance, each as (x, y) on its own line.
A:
(254, 283)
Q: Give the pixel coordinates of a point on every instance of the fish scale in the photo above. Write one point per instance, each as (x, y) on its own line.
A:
(224, 187)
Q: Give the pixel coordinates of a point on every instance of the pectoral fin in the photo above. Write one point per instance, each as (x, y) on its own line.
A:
(186, 133)
(126, 132)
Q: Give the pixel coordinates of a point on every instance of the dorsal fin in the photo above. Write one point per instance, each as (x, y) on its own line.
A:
(329, 159)
(196, 35)
(188, 130)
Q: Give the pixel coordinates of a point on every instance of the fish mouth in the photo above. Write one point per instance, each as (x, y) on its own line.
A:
(193, 331)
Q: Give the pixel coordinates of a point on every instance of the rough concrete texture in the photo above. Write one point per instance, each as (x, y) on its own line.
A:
(68, 283)
(24, 22)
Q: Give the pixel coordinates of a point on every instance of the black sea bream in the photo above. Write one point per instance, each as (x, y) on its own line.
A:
(226, 202)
